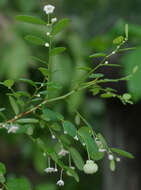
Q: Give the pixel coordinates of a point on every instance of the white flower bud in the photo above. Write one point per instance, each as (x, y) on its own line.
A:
(53, 20)
(110, 157)
(48, 33)
(118, 159)
(90, 167)
(76, 138)
(46, 44)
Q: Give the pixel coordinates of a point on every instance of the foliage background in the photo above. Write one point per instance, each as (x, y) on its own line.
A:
(94, 24)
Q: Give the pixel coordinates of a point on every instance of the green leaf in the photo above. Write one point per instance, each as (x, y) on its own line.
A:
(27, 120)
(14, 105)
(77, 119)
(2, 178)
(77, 158)
(32, 83)
(57, 50)
(126, 31)
(30, 19)
(107, 95)
(49, 115)
(18, 184)
(2, 109)
(58, 27)
(39, 60)
(8, 83)
(97, 55)
(122, 153)
(44, 71)
(46, 186)
(84, 68)
(97, 75)
(90, 143)
(73, 173)
(111, 65)
(55, 127)
(118, 40)
(131, 63)
(35, 40)
(69, 128)
(2, 168)
(112, 165)
(65, 140)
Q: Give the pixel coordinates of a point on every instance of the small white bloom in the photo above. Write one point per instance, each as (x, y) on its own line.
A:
(106, 62)
(110, 157)
(44, 154)
(63, 152)
(83, 144)
(38, 95)
(42, 84)
(113, 52)
(53, 20)
(49, 9)
(49, 170)
(76, 138)
(65, 132)
(48, 33)
(46, 44)
(13, 129)
(90, 167)
(118, 159)
(60, 182)
(55, 170)
(102, 150)
(53, 137)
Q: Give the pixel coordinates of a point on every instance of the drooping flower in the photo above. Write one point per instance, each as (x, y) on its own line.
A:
(49, 170)
(90, 167)
(49, 9)
(46, 44)
(110, 157)
(13, 129)
(60, 182)
(63, 152)
(76, 138)
(53, 20)
(102, 150)
(118, 159)
(48, 33)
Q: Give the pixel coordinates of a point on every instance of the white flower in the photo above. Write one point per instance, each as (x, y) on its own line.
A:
(49, 9)
(102, 150)
(76, 138)
(60, 182)
(83, 144)
(53, 20)
(63, 152)
(49, 170)
(110, 157)
(90, 167)
(113, 52)
(118, 159)
(44, 154)
(46, 44)
(65, 132)
(13, 129)
(48, 33)
(106, 62)
(55, 170)
(53, 137)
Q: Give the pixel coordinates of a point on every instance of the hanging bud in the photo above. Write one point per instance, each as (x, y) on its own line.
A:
(90, 167)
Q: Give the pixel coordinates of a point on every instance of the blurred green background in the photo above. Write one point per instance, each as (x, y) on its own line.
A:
(94, 25)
